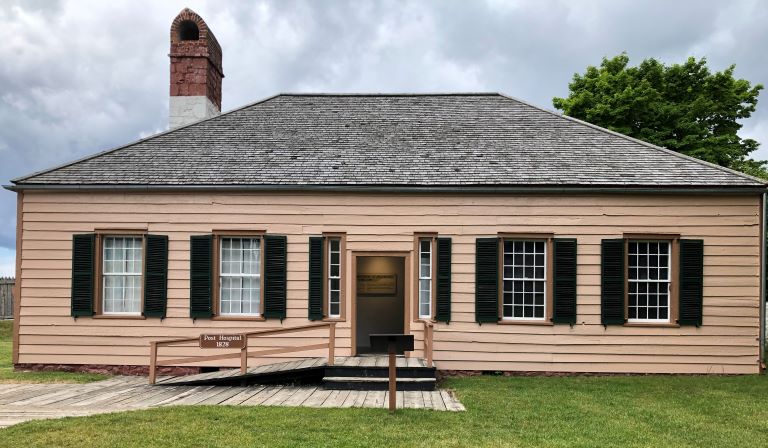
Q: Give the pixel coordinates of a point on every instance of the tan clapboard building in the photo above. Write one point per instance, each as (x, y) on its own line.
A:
(524, 240)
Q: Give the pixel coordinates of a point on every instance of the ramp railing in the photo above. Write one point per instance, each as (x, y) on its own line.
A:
(428, 341)
(243, 352)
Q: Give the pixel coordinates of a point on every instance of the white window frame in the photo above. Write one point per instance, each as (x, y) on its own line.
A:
(105, 275)
(222, 275)
(668, 281)
(426, 279)
(332, 277)
(524, 279)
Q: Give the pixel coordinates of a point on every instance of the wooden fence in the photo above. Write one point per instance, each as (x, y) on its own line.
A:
(6, 297)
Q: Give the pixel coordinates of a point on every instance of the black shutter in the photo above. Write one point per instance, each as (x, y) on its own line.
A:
(443, 296)
(315, 304)
(156, 276)
(275, 252)
(487, 280)
(201, 276)
(612, 282)
(691, 281)
(564, 284)
(83, 252)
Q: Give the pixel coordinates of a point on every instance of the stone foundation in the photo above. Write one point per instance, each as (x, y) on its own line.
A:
(106, 369)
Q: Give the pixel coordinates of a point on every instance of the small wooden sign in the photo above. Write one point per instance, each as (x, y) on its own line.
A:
(222, 341)
(376, 284)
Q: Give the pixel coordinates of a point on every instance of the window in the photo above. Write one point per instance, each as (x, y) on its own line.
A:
(651, 279)
(425, 278)
(334, 277)
(122, 270)
(648, 264)
(524, 294)
(326, 277)
(240, 276)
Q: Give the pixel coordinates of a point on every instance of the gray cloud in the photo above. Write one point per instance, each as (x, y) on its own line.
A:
(79, 77)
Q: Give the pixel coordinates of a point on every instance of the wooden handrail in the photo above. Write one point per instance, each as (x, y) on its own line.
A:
(428, 341)
(167, 342)
(244, 354)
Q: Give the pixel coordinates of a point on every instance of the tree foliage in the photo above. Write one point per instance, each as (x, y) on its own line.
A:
(683, 107)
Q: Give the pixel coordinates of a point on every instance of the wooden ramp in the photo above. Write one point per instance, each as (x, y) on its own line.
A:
(291, 371)
(346, 373)
(23, 402)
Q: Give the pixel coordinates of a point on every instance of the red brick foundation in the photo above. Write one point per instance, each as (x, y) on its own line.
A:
(106, 369)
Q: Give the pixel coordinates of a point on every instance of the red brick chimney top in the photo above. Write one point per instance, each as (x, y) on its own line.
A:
(195, 58)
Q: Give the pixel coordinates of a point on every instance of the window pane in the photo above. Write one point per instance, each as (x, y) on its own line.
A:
(528, 311)
(425, 259)
(425, 298)
(252, 257)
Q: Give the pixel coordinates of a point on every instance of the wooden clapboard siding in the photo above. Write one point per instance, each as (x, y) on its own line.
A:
(729, 225)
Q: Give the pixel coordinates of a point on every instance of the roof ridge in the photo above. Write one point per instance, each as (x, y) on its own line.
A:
(373, 94)
(135, 142)
(635, 140)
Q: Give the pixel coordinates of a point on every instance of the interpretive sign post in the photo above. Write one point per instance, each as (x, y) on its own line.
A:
(392, 345)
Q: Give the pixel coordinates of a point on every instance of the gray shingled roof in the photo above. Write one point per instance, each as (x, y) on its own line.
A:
(390, 140)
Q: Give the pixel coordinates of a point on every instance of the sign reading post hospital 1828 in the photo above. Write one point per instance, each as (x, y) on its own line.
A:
(222, 341)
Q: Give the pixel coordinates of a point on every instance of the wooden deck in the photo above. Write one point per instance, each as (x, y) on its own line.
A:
(23, 402)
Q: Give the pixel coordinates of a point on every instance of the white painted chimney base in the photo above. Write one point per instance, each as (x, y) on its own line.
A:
(188, 109)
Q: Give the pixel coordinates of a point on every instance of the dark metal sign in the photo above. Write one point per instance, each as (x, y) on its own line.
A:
(222, 341)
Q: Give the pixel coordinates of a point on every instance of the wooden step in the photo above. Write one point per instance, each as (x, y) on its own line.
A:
(380, 372)
(376, 383)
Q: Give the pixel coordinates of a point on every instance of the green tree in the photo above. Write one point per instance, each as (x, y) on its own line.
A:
(683, 107)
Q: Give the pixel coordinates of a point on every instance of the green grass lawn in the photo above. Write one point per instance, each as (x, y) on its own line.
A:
(678, 411)
(517, 411)
(7, 374)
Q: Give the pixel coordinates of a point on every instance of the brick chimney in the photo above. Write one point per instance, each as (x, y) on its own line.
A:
(196, 71)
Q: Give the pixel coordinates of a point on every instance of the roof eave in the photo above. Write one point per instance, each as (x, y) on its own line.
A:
(456, 189)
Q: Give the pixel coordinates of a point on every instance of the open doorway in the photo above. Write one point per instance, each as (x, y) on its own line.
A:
(380, 298)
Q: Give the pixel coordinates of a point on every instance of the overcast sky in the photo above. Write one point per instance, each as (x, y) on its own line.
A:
(78, 77)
